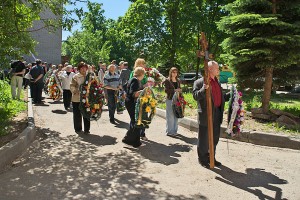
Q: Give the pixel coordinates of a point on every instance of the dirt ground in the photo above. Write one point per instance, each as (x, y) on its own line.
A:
(15, 127)
(64, 165)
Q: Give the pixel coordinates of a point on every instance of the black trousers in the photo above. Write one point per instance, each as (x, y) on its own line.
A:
(202, 147)
(132, 136)
(77, 119)
(111, 104)
(67, 96)
(36, 91)
(25, 82)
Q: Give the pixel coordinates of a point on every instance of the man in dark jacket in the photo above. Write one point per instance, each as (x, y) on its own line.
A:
(36, 83)
(125, 73)
(218, 101)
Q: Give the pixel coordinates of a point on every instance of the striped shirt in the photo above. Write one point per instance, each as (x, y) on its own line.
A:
(112, 80)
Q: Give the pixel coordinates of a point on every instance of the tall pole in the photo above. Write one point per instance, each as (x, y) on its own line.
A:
(204, 46)
(198, 57)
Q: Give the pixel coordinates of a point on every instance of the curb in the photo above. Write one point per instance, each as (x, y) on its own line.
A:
(254, 137)
(13, 149)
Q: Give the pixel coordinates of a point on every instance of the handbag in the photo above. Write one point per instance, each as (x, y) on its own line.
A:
(28, 76)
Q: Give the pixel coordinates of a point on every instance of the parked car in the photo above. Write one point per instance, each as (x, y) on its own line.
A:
(189, 78)
(296, 89)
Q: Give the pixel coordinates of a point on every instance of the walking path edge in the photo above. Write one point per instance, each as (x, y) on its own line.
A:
(15, 148)
(254, 137)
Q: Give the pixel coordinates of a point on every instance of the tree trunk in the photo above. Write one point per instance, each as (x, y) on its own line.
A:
(172, 57)
(268, 77)
(267, 89)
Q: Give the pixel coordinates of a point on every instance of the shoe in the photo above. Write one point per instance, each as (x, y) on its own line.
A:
(78, 132)
(112, 121)
(217, 163)
(205, 165)
(171, 134)
(144, 138)
(137, 145)
(86, 132)
(126, 142)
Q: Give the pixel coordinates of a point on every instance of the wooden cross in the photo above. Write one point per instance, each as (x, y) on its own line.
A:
(204, 53)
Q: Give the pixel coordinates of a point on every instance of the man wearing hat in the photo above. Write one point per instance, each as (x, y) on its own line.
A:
(125, 73)
(66, 78)
(112, 84)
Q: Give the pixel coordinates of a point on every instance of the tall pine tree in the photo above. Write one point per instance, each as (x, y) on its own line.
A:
(263, 37)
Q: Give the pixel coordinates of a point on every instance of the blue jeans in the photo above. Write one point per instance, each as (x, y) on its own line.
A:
(172, 120)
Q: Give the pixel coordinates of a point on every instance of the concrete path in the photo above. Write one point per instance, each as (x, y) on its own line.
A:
(63, 165)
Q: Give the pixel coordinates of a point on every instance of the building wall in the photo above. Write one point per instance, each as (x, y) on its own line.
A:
(48, 48)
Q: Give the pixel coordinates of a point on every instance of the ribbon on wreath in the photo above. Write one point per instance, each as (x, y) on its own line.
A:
(91, 98)
(145, 108)
(235, 112)
(54, 88)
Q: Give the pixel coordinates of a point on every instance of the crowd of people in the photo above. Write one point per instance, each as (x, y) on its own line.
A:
(114, 78)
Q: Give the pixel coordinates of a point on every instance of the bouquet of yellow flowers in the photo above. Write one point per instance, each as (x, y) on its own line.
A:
(145, 108)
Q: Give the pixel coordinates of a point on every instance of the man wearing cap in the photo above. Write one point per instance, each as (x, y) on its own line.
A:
(112, 84)
(120, 67)
(125, 73)
(66, 78)
(101, 73)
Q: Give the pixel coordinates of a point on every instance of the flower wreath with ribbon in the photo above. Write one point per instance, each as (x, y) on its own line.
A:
(145, 108)
(120, 97)
(235, 112)
(54, 88)
(91, 98)
(154, 75)
(178, 104)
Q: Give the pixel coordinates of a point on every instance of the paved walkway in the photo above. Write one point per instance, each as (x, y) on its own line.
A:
(63, 165)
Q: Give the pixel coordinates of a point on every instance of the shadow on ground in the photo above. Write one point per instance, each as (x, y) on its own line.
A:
(68, 168)
(98, 140)
(160, 153)
(62, 112)
(55, 102)
(121, 124)
(251, 180)
(185, 139)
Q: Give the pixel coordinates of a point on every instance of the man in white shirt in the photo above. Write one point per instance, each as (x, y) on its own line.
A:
(66, 78)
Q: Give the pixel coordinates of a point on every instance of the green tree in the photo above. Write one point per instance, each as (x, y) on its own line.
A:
(120, 50)
(263, 36)
(90, 44)
(16, 23)
(161, 28)
(210, 12)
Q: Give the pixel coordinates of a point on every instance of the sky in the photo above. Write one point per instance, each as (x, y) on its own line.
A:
(112, 9)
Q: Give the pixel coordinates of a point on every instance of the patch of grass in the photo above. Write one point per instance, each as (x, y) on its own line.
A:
(8, 107)
(278, 101)
(251, 100)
